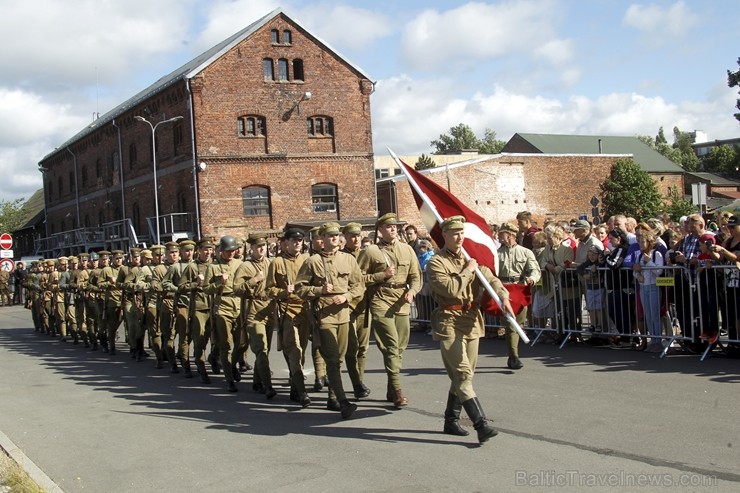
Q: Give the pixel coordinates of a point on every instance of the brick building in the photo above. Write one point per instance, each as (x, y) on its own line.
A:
(553, 185)
(274, 128)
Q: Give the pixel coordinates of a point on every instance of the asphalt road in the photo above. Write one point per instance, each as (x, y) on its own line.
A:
(576, 419)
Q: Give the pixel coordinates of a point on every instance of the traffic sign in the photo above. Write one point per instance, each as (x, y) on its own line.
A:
(7, 264)
(6, 254)
(6, 241)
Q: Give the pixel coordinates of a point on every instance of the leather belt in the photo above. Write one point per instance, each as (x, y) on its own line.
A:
(393, 285)
(460, 308)
(296, 302)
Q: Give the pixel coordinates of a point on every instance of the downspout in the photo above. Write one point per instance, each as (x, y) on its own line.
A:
(77, 189)
(120, 170)
(195, 164)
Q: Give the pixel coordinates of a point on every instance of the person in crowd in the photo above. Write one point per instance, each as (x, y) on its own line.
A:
(557, 258)
(708, 280)
(412, 237)
(601, 233)
(593, 280)
(424, 302)
(457, 324)
(19, 277)
(728, 255)
(619, 283)
(527, 229)
(543, 304)
(647, 268)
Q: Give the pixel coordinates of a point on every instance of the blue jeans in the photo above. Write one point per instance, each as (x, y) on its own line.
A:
(650, 297)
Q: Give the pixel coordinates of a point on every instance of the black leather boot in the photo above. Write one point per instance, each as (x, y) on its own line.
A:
(332, 404)
(347, 408)
(452, 417)
(475, 412)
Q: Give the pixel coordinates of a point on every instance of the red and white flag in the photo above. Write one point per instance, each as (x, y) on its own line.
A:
(478, 242)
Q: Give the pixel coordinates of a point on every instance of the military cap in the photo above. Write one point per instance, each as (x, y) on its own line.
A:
(206, 243)
(73, 260)
(104, 253)
(329, 229)
(146, 253)
(34, 262)
(453, 223)
(257, 239)
(508, 228)
(50, 262)
(84, 256)
(157, 249)
(352, 229)
(172, 246)
(389, 218)
(117, 253)
(314, 231)
(293, 233)
(239, 242)
(134, 251)
(187, 245)
(62, 260)
(581, 224)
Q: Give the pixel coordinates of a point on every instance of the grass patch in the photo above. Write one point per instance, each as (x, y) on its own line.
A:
(13, 479)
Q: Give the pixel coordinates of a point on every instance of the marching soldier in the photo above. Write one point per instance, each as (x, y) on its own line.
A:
(358, 341)
(60, 290)
(166, 309)
(96, 299)
(332, 279)
(392, 272)
(199, 305)
(173, 283)
(219, 283)
(34, 293)
(133, 286)
(46, 284)
(79, 288)
(294, 318)
(110, 282)
(249, 283)
(155, 304)
(69, 299)
(457, 323)
(316, 245)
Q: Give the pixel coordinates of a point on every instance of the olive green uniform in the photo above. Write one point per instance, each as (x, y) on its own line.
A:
(515, 264)
(199, 310)
(110, 281)
(173, 284)
(359, 335)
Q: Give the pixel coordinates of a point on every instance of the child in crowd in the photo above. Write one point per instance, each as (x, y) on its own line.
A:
(595, 287)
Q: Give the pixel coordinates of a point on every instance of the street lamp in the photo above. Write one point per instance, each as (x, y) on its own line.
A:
(154, 163)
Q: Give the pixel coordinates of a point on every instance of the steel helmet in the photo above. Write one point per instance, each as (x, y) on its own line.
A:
(227, 243)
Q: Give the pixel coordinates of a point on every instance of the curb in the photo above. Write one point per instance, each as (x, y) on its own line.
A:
(33, 471)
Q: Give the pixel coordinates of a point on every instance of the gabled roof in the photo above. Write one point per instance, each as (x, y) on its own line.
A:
(33, 210)
(646, 157)
(716, 179)
(193, 68)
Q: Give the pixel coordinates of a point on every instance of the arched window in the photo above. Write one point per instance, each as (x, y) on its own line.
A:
(132, 155)
(298, 69)
(324, 197)
(320, 126)
(256, 201)
(287, 37)
(268, 69)
(275, 36)
(251, 126)
(283, 70)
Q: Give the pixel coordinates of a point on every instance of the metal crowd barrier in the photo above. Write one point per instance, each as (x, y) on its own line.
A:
(693, 303)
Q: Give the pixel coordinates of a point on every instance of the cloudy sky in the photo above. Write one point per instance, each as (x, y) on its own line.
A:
(547, 66)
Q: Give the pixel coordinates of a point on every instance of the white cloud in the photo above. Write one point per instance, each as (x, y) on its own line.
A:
(659, 23)
(226, 17)
(478, 31)
(343, 26)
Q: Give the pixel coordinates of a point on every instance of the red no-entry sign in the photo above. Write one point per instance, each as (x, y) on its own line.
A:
(6, 241)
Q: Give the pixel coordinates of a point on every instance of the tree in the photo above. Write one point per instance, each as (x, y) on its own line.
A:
(676, 205)
(680, 152)
(733, 80)
(722, 159)
(462, 137)
(11, 215)
(424, 162)
(630, 191)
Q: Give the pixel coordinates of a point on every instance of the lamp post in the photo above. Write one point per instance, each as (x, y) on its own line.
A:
(154, 163)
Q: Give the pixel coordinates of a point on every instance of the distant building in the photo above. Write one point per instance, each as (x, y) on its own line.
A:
(275, 128)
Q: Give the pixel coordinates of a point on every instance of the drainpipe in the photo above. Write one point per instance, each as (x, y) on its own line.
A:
(77, 189)
(195, 160)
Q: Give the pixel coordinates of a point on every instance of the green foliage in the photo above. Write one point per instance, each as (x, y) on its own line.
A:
(11, 215)
(733, 80)
(462, 137)
(722, 159)
(680, 152)
(676, 205)
(424, 162)
(630, 191)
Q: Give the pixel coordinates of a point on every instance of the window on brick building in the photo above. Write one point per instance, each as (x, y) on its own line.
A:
(101, 218)
(283, 69)
(268, 69)
(59, 186)
(382, 173)
(98, 169)
(287, 37)
(320, 126)
(87, 221)
(177, 136)
(324, 197)
(298, 69)
(251, 126)
(136, 218)
(84, 176)
(113, 163)
(256, 201)
(275, 36)
(132, 155)
(71, 182)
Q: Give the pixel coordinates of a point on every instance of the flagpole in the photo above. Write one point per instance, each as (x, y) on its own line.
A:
(478, 273)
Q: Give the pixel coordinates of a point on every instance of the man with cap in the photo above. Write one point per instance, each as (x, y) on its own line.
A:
(199, 306)
(219, 283)
(49, 285)
(258, 309)
(79, 288)
(134, 285)
(332, 279)
(358, 340)
(316, 245)
(166, 310)
(153, 275)
(6, 297)
(516, 265)
(31, 286)
(173, 283)
(457, 323)
(294, 324)
(96, 298)
(62, 297)
(70, 299)
(391, 269)
(110, 282)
